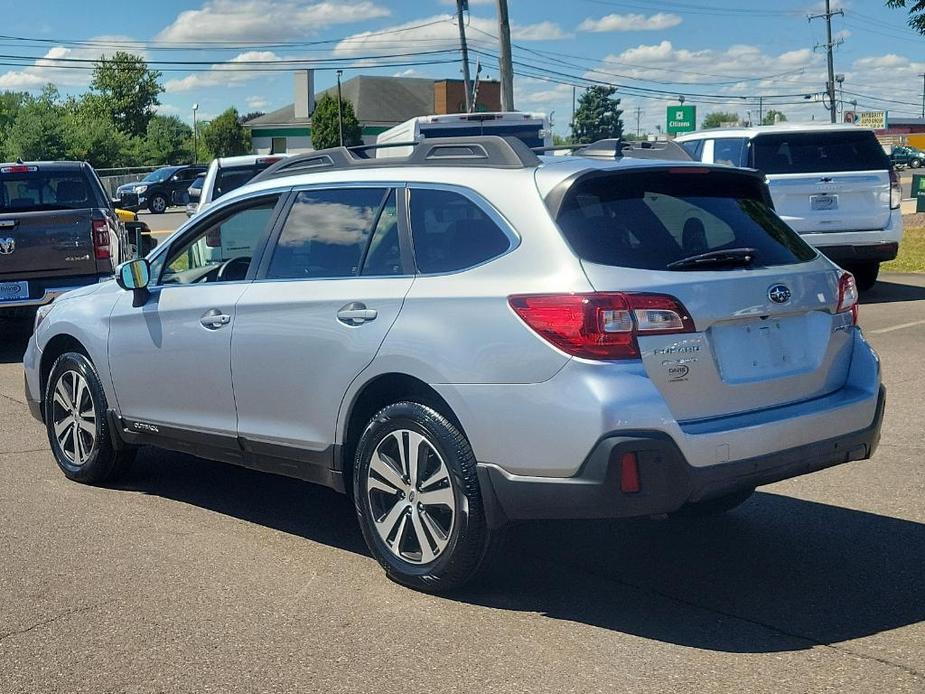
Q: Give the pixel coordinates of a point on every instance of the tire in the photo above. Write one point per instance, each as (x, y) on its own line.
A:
(90, 456)
(158, 204)
(714, 507)
(915, 163)
(389, 499)
(865, 274)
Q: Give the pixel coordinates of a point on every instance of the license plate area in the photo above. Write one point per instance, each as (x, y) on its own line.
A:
(823, 202)
(13, 291)
(758, 349)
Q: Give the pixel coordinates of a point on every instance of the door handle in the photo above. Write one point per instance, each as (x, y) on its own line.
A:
(356, 313)
(213, 319)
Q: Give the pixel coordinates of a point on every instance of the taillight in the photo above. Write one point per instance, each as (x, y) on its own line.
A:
(101, 239)
(848, 296)
(601, 325)
(214, 237)
(896, 190)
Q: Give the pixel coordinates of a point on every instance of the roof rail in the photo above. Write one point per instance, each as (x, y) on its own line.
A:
(614, 148)
(483, 151)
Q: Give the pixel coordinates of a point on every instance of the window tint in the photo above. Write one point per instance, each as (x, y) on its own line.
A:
(221, 249)
(36, 190)
(729, 151)
(451, 232)
(326, 233)
(649, 220)
(694, 148)
(819, 152)
(384, 254)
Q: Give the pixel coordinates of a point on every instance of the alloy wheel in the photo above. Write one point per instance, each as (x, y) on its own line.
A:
(74, 418)
(411, 497)
(159, 204)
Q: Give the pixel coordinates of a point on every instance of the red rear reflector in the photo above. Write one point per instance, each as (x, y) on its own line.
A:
(101, 239)
(601, 325)
(629, 473)
(214, 238)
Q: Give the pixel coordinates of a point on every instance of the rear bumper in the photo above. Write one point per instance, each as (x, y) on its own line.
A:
(46, 291)
(667, 479)
(845, 255)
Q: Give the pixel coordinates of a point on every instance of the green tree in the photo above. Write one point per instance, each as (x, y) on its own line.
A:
(772, 117)
(598, 116)
(224, 136)
(38, 131)
(916, 12)
(561, 140)
(10, 103)
(168, 141)
(124, 88)
(718, 118)
(251, 116)
(324, 124)
(92, 137)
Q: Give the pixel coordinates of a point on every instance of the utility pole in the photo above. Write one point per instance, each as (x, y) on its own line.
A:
(638, 116)
(196, 135)
(923, 95)
(507, 66)
(760, 110)
(340, 112)
(461, 6)
(829, 45)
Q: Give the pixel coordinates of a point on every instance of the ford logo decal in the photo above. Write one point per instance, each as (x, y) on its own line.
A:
(779, 294)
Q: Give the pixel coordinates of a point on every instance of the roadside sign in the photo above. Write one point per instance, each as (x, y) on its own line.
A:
(681, 119)
(918, 191)
(876, 120)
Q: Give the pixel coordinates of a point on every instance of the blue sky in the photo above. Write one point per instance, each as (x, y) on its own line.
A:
(720, 53)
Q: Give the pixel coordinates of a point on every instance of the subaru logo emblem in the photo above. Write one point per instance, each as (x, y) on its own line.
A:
(779, 294)
(7, 246)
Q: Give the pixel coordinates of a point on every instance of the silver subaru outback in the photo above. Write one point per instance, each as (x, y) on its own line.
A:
(471, 336)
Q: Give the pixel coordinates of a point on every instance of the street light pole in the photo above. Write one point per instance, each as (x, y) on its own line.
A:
(195, 136)
(340, 112)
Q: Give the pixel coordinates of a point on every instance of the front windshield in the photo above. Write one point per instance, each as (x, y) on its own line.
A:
(159, 175)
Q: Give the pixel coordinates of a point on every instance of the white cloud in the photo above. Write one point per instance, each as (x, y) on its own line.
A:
(266, 20)
(631, 22)
(258, 103)
(64, 74)
(441, 31)
(222, 75)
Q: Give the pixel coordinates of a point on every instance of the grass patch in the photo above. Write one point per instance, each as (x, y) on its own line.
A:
(911, 256)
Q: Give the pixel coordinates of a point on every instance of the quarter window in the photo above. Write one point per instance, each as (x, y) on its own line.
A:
(326, 233)
(384, 254)
(450, 232)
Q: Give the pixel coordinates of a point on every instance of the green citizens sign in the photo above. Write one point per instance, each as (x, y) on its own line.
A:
(681, 119)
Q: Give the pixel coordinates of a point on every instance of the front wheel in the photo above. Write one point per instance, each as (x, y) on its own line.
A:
(915, 163)
(158, 204)
(75, 418)
(418, 500)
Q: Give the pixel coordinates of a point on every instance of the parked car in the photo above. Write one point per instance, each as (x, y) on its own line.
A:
(191, 198)
(156, 190)
(226, 174)
(473, 336)
(58, 230)
(903, 155)
(833, 184)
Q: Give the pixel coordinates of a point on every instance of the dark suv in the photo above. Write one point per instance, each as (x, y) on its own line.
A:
(156, 190)
(903, 155)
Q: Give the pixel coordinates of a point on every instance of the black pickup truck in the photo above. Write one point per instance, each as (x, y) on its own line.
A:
(58, 231)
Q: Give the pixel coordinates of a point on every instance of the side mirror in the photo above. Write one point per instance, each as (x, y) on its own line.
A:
(135, 276)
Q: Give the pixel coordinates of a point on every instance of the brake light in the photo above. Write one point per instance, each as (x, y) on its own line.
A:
(689, 170)
(268, 160)
(848, 296)
(101, 239)
(896, 190)
(19, 168)
(214, 237)
(601, 325)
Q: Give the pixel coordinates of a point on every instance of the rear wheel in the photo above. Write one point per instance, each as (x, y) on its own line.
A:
(865, 274)
(158, 204)
(418, 500)
(714, 507)
(75, 418)
(915, 163)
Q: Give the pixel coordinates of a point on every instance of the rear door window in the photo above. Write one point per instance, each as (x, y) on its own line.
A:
(730, 151)
(451, 233)
(819, 152)
(649, 220)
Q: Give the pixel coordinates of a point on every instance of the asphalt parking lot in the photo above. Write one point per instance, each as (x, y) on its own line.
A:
(194, 576)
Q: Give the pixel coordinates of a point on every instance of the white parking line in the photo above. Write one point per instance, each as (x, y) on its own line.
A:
(898, 327)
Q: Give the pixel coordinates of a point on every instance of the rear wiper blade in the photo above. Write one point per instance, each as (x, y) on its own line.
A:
(727, 256)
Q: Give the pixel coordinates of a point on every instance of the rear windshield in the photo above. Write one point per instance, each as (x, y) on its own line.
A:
(34, 191)
(235, 177)
(819, 152)
(648, 220)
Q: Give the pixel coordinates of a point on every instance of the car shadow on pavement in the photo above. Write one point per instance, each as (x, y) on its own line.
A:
(778, 574)
(885, 292)
(14, 335)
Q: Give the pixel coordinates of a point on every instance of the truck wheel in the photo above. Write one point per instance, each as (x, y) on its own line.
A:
(158, 204)
(418, 500)
(75, 418)
(714, 507)
(865, 274)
